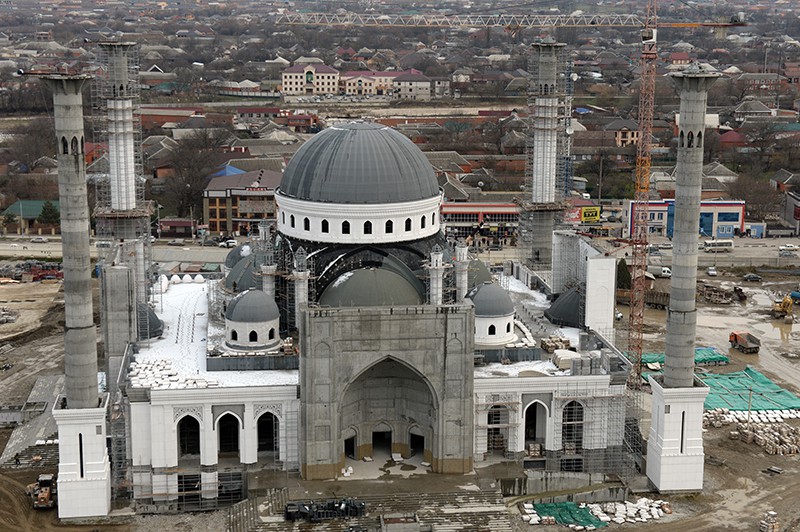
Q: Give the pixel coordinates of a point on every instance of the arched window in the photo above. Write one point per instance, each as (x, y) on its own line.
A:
(271, 334)
(508, 327)
(253, 336)
(64, 146)
(234, 335)
(422, 222)
(389, 228)
(367, 227)
(433, 218)
(74, 145)
(306, 224)
(492, 330)
(408, 224)
(325, 227)
(188, 436)
(690, 140)
(291, 220)
(572, 424)
(699, 139)
(283, 218)
(345, 227)
(681, 141)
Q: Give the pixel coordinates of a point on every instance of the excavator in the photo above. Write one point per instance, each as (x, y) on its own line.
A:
(783, 308)
(43, 491)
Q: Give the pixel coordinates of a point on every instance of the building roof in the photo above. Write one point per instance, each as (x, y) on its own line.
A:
(260, 179)
(318, 69)
(361, 163)
(30, 209)
(238, 253)
(490, 300)
(252, 306)
(370, 287)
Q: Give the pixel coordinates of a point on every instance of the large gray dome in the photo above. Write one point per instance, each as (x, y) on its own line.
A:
(370, 287)
(252, 306)
(491, 301)
(359, 162)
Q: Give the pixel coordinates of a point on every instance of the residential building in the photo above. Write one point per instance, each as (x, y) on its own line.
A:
(233, 204)
(309, 78)
(718, 218)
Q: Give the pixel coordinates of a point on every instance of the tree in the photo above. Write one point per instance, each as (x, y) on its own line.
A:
(761, 200)
(623, 275)
(32, 141)
(49, 215)
(192, 160)
(9, 219)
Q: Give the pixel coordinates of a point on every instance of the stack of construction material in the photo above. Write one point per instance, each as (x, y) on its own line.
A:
(777, 438)
(549, 345)
(641, 511)
(770, 523)
(719, 417)
(534, 449)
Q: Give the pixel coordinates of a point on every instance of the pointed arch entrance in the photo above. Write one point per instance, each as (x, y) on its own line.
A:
(382, 404)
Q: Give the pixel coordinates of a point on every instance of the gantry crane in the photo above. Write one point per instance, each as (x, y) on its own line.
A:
(649, 55)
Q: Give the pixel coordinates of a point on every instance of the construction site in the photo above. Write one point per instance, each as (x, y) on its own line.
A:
(352, 355)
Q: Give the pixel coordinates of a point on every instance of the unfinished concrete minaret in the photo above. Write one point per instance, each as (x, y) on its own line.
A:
(547, 169)
(83, 467)
(80, 344)
(675, 446)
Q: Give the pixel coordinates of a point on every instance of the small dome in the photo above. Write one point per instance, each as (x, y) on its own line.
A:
(370, 287)
(478, 273)
(362, 163)
(238, 253)
(252, 306)
(490, 300)
(241, 277)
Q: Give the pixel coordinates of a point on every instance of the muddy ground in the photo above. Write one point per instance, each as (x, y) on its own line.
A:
(737, 489)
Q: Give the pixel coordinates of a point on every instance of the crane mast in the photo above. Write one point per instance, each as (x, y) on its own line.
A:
(640, 214)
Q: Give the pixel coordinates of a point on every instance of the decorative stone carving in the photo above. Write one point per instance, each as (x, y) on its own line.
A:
(178, 413)
(275, 408)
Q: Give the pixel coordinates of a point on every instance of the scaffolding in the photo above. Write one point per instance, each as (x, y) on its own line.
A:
(548, 165)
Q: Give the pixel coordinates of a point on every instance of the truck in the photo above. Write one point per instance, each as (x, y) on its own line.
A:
(652, 298)
(43, 491)
(744, 342)
(659, 271)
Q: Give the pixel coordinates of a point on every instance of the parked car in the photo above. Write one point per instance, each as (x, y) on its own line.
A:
(102, 244)
(788, 247)
(207, 242)
(176, 242)
(787, 253)
(711, 271)
(665, 245)
(39, 240)
(228, 244)
(752, 277)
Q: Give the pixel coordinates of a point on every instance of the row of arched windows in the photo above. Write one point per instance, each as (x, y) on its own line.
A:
(388, 226)
(71, 147)
(252, 337)
(493, 329)
(690, 140)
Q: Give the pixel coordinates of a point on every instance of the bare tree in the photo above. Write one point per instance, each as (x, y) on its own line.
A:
(192, 161)
(761, 200)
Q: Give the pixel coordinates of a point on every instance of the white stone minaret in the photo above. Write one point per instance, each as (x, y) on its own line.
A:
(675, 455)
(84, 476)
(462, 270)
(436, 273)
(301, 276)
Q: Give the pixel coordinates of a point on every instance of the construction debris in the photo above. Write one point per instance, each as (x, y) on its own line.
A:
(594, 516)
(549, 345)
(719, 417)
(777, 438)
(769, 523)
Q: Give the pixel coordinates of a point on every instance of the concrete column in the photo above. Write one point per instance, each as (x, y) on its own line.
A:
(436, 272)
(462, 268)
(248, 440)
(120, 317)
(209, 441)
(693, 83)
(268, 279)
(80, 359)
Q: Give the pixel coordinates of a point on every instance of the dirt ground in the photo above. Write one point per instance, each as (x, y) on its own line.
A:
(737, 490)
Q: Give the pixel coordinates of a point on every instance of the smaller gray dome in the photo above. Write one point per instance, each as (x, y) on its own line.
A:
(252, 306)
(490, 300)
(238, 253)
(242, 276)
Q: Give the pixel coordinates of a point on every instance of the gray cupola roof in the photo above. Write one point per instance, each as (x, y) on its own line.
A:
(490, 300)
(252, 306)
(361, 163)
(370, 287)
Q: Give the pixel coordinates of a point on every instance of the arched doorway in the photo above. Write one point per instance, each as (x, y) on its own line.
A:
(382, 404)
(268, 428)
(572, 427)
(188, 437)
(228, 429)
(497, 429)
(535, 423)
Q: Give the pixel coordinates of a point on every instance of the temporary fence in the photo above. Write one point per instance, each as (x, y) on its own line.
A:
(747, 390)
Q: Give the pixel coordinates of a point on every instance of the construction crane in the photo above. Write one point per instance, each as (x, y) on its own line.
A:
(649, 26)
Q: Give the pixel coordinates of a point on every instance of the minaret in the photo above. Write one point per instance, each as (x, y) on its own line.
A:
(84, 481)
(301, 276)
(462, 268)
(436, 273)
(675, 447)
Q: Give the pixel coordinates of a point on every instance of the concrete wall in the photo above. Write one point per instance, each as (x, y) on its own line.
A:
(601, 278)
(347, 353)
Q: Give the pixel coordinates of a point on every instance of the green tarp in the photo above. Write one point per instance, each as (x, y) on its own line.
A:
(703, 356)
(568, 513)
(733, 391)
